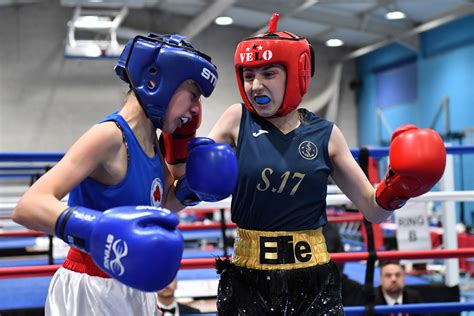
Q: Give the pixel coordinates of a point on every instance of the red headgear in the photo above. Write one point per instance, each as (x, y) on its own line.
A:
(284, 48)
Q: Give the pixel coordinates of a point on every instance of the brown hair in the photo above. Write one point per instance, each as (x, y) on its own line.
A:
(387, 262)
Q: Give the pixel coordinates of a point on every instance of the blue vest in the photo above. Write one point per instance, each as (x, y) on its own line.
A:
(282, 182)
(142, 185)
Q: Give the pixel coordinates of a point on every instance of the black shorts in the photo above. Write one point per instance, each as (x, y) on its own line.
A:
(307, 291)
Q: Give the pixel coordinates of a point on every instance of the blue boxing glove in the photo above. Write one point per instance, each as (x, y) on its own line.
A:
(139, 246)
(211, 172)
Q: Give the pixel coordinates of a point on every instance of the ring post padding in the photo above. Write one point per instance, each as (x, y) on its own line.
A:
(448, 215)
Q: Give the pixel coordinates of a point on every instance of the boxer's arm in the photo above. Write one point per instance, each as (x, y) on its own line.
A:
(226, 129)
(170, 201)
(350, 178)
(41, 205)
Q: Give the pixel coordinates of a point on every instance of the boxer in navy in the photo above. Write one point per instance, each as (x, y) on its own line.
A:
(280, 264)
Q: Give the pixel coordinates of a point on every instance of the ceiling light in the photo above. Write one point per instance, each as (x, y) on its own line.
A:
(93, 22)
(224, 20)
(334, 42)
(83, 49)
(395, 15)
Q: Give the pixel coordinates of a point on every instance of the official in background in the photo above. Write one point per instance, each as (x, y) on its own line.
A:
(392, 290)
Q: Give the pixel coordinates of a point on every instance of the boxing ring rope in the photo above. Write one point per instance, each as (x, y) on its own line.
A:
(331, 199)
(30, 157)
(339, 199)
(413, 308)
(380, 152)
(377, 152)
(184, 226)
(206, 263)
(22, 233)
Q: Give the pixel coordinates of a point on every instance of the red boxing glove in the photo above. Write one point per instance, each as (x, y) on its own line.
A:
(417, 162)
(175, 146)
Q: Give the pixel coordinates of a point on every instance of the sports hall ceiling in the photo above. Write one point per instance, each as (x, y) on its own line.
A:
(360, 24)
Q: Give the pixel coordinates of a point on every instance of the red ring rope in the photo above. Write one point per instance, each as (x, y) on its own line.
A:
(204, 263)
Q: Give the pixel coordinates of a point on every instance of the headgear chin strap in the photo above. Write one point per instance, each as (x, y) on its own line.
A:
(284, 48)
(155, 65)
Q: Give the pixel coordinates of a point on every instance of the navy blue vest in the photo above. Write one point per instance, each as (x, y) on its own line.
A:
(142, 185)
(282, 183)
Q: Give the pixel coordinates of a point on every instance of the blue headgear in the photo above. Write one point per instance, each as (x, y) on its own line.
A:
(155, 65)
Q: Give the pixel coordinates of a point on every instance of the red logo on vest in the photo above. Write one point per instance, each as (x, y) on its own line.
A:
(156, 193)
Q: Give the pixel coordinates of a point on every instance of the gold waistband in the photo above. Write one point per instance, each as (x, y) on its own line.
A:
(282, 250)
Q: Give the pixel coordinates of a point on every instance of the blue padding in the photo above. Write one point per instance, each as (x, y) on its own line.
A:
(30, 157)
(201, 234)
(24, 292)
(192, 254)
(16, 242)
(28, 262)
(389, 232)
(16, 168)
(197, 274)
(16, 175)
(413, 308)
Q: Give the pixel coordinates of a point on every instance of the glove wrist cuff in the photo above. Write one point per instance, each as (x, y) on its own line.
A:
(184, 194)
(74, 226)
(61, 222)
(386, 199)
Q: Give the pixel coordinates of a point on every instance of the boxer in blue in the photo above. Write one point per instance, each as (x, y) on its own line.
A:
(125, 244)
(280, 264)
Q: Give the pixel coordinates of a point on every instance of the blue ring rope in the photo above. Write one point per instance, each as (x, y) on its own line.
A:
(376, 152)
(413, 308)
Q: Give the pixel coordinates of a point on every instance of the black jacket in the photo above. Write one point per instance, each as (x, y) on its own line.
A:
(187, 310)
(409, 297)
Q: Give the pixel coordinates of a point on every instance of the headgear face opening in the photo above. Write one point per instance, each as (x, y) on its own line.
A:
(284, 48)
(155, 65)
